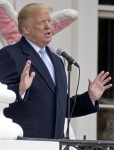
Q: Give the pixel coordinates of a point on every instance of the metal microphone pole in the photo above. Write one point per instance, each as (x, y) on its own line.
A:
(68, 106)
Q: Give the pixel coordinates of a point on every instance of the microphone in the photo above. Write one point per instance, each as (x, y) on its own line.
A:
(68, 58)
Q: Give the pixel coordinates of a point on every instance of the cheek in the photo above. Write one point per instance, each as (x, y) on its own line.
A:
(39, 32)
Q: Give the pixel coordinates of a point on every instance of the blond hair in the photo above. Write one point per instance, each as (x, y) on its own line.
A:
(29, 11)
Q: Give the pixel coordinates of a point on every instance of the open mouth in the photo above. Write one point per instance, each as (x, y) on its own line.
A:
(48, 34)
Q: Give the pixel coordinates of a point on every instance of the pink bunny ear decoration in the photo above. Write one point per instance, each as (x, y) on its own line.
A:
(8, 23)
(63, 18)
(9, 33)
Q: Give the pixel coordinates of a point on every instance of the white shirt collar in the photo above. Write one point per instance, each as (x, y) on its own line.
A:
(37, 48)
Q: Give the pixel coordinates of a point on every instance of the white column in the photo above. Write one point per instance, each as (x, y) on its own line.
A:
(85, 52)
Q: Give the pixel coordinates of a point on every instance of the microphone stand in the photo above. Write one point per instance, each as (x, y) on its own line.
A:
(69, 68)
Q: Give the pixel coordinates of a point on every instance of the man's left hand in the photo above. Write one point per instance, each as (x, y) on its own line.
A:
(97, 87)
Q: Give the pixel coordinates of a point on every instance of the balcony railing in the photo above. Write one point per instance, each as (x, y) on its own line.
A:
(86, 145)
(66, 144)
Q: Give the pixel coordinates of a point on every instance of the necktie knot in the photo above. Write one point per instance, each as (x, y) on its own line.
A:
(42, 51)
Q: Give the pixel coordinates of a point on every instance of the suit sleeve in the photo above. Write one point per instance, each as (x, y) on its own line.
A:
(83, 105)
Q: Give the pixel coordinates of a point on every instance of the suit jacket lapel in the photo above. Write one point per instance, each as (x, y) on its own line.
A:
(37, 63)
(61, 94)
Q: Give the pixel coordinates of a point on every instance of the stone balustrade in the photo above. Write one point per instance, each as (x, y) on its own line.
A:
(8, 129)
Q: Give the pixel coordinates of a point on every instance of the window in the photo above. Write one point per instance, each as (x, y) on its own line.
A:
(106, 2)
(106, 53)
(105, 125)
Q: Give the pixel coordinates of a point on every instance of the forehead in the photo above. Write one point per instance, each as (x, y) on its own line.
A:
(43, 15)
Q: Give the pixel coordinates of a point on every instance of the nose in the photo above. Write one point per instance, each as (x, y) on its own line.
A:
(47, 24)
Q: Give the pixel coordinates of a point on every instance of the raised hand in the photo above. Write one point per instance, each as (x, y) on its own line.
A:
(26, 78)
(99, 85)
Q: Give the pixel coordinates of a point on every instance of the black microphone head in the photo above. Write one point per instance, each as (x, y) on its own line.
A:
(62, 52)
(59, 51)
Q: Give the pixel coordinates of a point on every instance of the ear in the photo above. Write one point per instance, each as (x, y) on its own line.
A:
(25, 29)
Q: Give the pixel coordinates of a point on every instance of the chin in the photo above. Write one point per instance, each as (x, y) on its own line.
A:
(47, 42)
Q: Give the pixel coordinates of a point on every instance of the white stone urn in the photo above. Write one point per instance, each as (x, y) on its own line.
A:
(8, 129)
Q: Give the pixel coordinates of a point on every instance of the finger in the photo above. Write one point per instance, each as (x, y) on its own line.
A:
(106, 80)
(24, 75)
(27, 66)
(26, 69)
(90, 82)
(107, 86)
(104, 76)
(32, 75)
(99, 75)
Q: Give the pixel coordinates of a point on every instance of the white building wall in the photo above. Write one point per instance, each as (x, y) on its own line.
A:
(85, 50)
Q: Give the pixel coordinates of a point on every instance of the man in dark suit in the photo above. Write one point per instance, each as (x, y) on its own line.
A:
(39, 79)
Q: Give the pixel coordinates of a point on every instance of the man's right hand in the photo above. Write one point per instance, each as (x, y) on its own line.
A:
(26, 79)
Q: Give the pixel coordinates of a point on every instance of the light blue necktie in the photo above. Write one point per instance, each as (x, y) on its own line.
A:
(48, 63)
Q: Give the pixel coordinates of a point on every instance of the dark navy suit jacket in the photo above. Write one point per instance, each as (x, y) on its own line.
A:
(42, 112)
